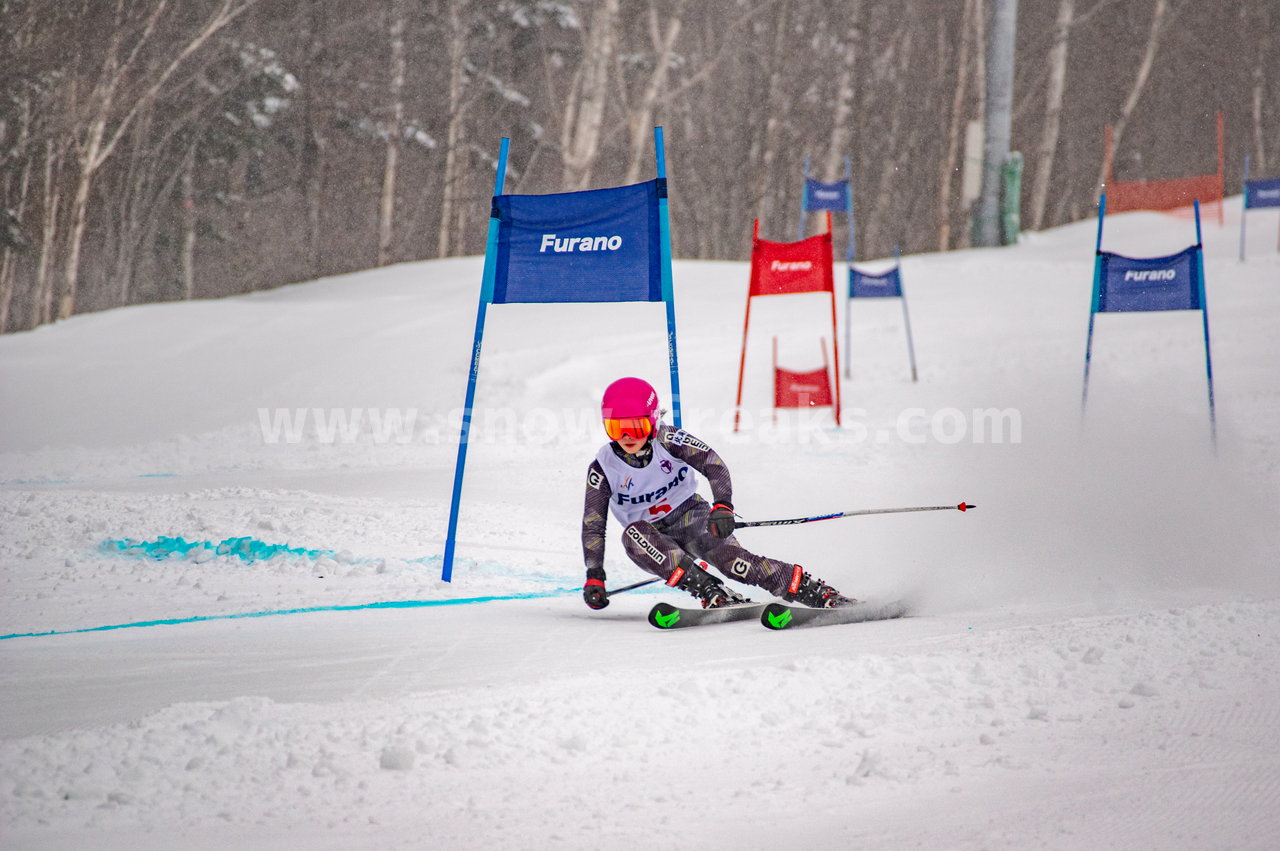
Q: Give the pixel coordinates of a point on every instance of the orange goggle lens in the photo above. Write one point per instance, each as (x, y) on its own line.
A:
(635, 428)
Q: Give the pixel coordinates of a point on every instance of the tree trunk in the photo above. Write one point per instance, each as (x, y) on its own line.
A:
(387, 207)
(188, 250)
(1259, 88)
(133, 196)
(311, 166)
(640, 121)
(775, 115)
(956, 123)
(1052, 112)
(88, 161)
(8, 282)
(877, 241)
(42, 310)
(1160, 18)
(584, 114)
(453, 134)
(846, 87)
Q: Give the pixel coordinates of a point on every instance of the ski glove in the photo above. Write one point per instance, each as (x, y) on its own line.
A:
(721, 522)
(593, 592)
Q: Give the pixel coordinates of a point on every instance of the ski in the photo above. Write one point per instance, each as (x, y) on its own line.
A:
(667, 616)
(782, 616)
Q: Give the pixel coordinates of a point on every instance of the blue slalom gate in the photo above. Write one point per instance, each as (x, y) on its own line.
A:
(1258, 194)
(601, 245)
(1126, 284)
(887, 284)
(833, 197)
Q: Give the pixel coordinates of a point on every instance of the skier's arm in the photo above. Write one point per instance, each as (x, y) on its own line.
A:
(702, 458)
(595, 513)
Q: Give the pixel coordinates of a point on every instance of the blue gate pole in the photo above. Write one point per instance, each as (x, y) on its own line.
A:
(848, 325)
(1093, 306)
(850, 249)
(1204, 313)
(1244, 205)
(804, 201)
(668, 288)
(906, 316)
(486, 296)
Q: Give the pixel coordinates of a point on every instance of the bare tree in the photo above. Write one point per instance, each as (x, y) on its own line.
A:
(1266, 15)
(640, 115)
(1052, 112)
(775, 106)
(141, 157)
(394, 131)
(103, 125)
(311, 159)
(12, 241)
(968, 27)
(842, 123)
(584, 110)
(1161, 15)
(42, 309)
(456, 110)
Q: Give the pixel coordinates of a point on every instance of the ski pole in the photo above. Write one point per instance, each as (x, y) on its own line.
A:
(629, 587)
(964, 506)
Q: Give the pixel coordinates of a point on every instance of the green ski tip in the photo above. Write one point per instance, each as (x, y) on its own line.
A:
(668, 620)
(780, 620)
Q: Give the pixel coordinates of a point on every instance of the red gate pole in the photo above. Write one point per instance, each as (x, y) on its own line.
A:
(746, 321)
(835, 344)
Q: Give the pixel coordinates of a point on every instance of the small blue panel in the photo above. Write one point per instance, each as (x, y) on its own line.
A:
(1262, 193)
(884, 285)
(826, 196)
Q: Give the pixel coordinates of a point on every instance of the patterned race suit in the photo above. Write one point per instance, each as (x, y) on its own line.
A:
(657, 534)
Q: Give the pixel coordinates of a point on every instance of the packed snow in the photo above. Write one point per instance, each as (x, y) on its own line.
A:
(223, 624)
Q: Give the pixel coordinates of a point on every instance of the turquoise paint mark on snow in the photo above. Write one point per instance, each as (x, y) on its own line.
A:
(246, 549)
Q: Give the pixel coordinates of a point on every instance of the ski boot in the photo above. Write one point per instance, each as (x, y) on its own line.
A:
(809, 591)
(692, 576)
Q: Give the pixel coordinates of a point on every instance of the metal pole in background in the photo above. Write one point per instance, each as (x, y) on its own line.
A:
(998, 120)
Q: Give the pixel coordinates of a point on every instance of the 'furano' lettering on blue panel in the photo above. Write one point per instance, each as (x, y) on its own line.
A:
(598, 245)
(1262, 193)
(1157, 283)
(826, 196)
(884, 285)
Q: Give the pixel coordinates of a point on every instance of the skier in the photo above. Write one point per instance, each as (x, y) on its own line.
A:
(647, 476)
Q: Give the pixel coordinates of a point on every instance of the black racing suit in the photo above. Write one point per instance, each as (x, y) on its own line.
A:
(683, 530)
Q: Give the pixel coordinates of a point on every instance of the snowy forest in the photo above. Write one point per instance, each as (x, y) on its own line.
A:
(157, 150)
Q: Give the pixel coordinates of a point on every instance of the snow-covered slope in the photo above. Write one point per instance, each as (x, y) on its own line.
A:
(1094, 660)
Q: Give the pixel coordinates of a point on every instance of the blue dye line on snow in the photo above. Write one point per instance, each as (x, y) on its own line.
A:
(393, 604)
(251, 550)
(47, 481)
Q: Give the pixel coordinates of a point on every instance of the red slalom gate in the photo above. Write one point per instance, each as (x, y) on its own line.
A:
(790, 268)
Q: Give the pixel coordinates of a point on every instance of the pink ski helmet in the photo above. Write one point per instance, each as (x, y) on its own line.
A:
(630, 407)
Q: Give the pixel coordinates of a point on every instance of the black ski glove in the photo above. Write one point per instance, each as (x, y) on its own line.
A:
(595, 595)
(721, 522)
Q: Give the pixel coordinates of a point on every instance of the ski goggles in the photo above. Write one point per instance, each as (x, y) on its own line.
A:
(636, 428)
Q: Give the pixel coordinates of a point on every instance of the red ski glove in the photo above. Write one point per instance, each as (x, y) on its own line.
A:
(721, 522)
(595, 595)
